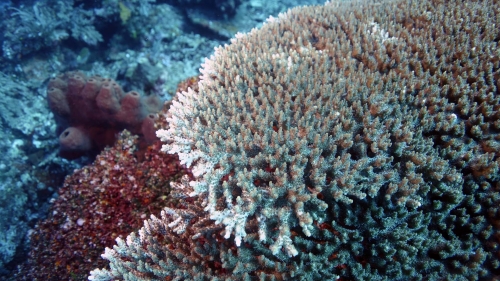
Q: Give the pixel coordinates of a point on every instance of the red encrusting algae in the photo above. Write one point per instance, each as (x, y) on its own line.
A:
(98, 203)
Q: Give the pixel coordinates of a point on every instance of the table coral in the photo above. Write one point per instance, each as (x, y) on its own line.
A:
(91, 111)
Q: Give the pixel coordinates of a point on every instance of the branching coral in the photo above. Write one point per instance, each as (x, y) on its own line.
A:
(348, 140)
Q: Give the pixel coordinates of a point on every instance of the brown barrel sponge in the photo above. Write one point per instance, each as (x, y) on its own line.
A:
(58, 82)
(130, 110)
(91, 88)
(95, 109)
(74, 139)
(76, 82)
(58, 102)
(107, 100)
(148, 128)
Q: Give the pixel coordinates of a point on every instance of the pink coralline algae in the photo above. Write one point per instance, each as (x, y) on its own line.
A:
(97, 204)
(91, 111)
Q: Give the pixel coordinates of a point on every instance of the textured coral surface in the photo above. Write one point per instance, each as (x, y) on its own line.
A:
(319, 125)
(97, 204)
(348, 141)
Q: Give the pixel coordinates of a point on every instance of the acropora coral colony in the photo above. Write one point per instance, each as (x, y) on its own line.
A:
(350, 141)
